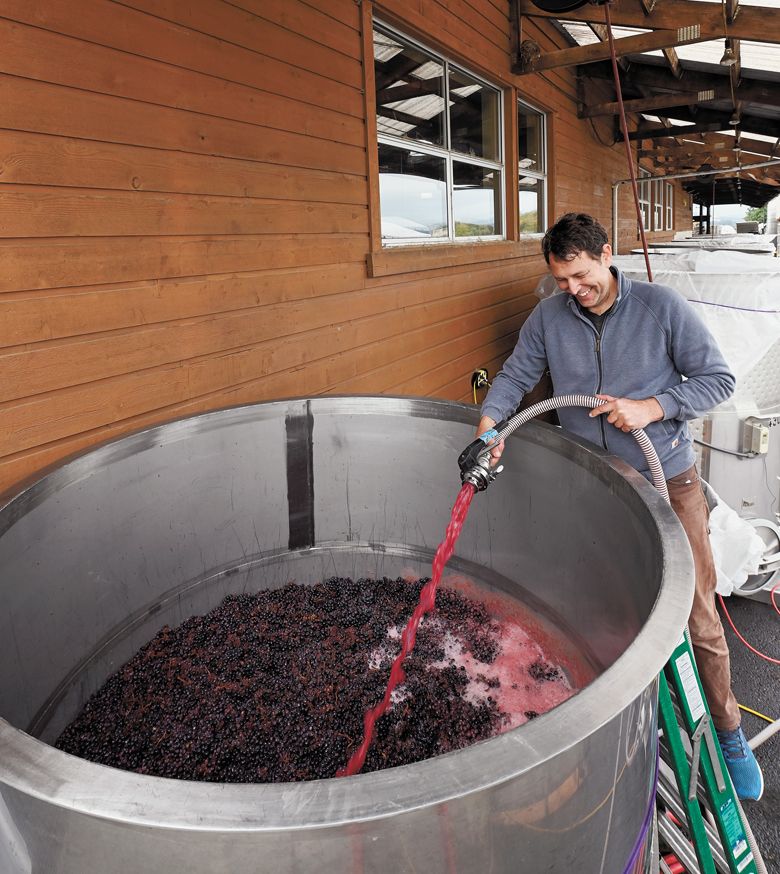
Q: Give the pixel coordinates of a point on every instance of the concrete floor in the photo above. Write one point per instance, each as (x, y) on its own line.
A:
(756, 683)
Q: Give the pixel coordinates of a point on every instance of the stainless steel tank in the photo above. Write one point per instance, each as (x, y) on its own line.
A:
(98, 554)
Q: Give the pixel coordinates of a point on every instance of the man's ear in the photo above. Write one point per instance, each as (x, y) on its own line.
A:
(606, 254)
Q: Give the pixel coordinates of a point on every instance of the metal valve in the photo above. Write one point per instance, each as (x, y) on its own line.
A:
(474, 461)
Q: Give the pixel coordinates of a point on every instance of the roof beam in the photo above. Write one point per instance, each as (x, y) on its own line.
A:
(655, 131)
(686, 149)
(750, 124)
(648, 104)
(752, 22)
(672, 148)
(589, 54)
(601, 32)
(652, 76)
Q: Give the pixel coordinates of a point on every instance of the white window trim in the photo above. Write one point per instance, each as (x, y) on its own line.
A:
(645, 192)
(449, 155)
(658, 204)
(668, 206)
(534, 174)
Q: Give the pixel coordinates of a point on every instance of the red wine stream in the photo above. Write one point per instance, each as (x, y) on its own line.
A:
(409, 635)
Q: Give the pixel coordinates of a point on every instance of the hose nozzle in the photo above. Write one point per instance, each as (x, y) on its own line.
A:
(474, 463)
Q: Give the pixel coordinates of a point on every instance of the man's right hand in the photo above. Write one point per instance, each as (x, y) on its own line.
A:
(485, 424)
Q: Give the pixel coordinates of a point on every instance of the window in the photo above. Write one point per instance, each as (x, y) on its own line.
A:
(658, 205)
(644, 197)
(669, 206)
(532, 148)
(439, 132)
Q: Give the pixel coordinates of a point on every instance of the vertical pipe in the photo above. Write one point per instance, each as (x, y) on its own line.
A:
(615, 221)
(627, 143)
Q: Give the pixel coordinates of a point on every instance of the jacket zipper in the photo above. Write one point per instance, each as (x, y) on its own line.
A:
(601, 376)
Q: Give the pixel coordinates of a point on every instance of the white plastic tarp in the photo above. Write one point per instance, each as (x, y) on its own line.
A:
(737, 296)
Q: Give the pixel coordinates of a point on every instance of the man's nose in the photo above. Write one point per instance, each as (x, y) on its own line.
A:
(573, 286)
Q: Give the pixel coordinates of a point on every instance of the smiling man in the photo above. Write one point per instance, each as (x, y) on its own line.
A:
(642, 349)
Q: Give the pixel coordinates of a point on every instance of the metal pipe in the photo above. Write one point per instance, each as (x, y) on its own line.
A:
(764, 734)
(624, 129)
(737, 169)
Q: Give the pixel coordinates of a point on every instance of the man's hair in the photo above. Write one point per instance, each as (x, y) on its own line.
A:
(572, 234)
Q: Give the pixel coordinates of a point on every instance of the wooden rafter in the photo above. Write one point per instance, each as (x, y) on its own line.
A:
(751, 23)
(589, 54)
(691, 148)
(649, 104)
(749, 123)
(673, 61)
(650, 132)
(672, 148)
(750, 90)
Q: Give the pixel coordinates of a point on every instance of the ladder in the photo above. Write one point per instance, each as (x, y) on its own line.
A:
(696, 777)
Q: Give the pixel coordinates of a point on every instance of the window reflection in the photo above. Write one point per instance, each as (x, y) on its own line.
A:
(531, 139)
(412, 194)
(476, 200)
(474, 112)
(532, 169)
(439, 144)
(532, 212)
(409, 91)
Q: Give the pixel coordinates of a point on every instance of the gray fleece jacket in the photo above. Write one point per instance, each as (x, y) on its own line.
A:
(650, 339)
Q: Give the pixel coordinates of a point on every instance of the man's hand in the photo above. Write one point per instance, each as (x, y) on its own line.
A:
(628, 414)
(485, 424)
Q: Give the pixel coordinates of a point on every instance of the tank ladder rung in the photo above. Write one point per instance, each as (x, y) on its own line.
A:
(694, 762)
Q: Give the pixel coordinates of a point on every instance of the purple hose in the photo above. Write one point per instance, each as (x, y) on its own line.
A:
(637, 855)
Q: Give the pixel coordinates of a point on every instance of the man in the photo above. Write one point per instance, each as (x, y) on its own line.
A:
(631, 343)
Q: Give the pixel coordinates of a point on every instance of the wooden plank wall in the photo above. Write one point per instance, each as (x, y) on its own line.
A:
(184, 215)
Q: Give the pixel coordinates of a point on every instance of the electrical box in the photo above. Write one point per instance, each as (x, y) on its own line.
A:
(755, 436)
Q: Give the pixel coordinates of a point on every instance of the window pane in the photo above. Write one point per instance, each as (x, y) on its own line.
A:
(409, 91)
(412, 194)
(474, 109)
(531, 139)
(476, 200)
(531, 205)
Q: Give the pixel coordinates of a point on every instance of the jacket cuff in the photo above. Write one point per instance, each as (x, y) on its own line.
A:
(669, 404)
(494, 413)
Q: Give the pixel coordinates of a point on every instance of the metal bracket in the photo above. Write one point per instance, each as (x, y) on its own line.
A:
(715, 761)
(693, 782)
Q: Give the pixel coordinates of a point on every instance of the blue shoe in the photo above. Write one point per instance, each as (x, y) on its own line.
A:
(742, 765)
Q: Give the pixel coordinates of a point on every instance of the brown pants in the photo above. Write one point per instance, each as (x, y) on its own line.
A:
(709, 643)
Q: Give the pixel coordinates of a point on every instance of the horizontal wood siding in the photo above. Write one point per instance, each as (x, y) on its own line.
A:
(185, 215)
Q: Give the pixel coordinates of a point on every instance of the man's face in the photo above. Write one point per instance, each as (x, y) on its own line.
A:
(586, 278)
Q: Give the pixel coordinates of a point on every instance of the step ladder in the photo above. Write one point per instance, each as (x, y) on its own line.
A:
(693, 778)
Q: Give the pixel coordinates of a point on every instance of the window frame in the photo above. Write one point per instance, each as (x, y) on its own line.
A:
(668, 206)
(542, 175)
(644, 190)
(446, 152)
(658, 204)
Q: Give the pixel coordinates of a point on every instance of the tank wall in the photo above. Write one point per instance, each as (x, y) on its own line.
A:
(140, 538)
(160, 526)
(571, 814)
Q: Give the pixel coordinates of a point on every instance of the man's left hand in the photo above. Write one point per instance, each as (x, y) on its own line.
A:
(628, 414)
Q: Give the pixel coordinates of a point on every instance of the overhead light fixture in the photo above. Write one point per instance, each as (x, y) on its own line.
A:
(729, 56)
(734, 120)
